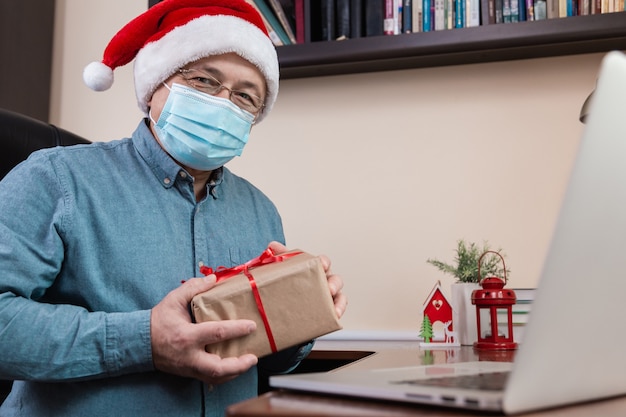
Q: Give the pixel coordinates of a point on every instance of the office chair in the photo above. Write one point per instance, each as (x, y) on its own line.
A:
(19, 136)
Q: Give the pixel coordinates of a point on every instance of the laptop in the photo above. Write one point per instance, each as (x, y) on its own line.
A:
(573, 348)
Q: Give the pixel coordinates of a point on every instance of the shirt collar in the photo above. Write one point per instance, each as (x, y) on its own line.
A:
(162, 165)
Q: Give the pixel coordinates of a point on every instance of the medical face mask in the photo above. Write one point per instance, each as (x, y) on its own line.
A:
(201, 131)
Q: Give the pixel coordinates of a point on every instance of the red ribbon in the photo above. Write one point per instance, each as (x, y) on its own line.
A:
(267, 257)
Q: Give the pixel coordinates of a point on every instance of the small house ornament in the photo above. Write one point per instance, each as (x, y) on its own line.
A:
(494, 315)
(437, 329)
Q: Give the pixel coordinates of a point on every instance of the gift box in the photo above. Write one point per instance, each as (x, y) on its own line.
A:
(286, 295)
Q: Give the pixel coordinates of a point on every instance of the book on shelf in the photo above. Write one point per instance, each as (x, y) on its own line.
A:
(389, 26)
(522, 306)
(283, 18)
(289, 8)
(596, 6)
(487, 12)
(417, 15)
(525, 294)
(342, 19)
(374, 17)
(605, 7)
(472, 13)
(541, 10)
(459, 18)
(356, 19)
(519, 315)
(572, 8)
(593, 7)
(530, 10)
(271, 22)
(440, 14)
(498, 10)
(428, 9)
(518, 318)
(276, 40)
(506, 11)
(327, 20)
(398, 19)
(407, 16)
(322, 20)
(584, 7)
(521, 10)
(300, 17)
(397, 16)
(515, 11)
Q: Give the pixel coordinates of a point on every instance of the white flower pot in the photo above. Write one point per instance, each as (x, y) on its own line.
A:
(464, 312)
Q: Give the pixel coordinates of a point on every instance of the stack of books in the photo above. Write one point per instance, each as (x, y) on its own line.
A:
(521, 311)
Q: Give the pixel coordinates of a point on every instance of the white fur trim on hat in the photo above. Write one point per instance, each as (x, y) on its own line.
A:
(199, 38)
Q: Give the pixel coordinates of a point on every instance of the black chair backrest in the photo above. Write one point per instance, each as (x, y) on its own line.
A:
(20, 135)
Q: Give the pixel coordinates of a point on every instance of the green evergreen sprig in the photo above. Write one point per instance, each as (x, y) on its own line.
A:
(466, 267)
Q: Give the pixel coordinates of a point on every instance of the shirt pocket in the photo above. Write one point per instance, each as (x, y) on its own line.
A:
(241, 255)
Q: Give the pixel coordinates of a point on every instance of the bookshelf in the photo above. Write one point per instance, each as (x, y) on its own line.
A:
(489, 43)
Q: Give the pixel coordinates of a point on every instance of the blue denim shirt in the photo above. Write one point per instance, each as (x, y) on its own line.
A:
(91, 238)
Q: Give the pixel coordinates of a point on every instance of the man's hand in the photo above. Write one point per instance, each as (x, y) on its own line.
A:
(335, 283)
(178, 345)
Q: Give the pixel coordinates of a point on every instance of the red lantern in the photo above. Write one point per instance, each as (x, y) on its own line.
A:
(494, 315)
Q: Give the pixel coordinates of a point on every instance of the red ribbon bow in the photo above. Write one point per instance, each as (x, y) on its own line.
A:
(267, 257)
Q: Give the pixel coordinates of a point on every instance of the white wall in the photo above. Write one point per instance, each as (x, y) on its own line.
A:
(381, 171)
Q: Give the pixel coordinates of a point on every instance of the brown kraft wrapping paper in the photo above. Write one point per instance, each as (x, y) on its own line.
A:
(294, 294)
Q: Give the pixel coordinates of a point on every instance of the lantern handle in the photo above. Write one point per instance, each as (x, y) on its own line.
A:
(503, 264)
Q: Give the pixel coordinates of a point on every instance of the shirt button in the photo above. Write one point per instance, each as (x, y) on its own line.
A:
(167, 181)
(183, 174)
(200, 264)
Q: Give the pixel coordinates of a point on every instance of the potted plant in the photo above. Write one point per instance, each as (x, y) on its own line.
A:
(465, 270)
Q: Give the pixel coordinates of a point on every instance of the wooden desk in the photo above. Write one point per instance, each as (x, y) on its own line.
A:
(388, 354)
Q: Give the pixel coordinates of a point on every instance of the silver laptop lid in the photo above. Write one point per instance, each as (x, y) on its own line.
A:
(573, 343)
(576, 334)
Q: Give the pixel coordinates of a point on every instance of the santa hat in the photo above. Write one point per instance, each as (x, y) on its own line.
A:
(174, 33)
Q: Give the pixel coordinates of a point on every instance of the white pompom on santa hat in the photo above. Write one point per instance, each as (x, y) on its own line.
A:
(174, 33)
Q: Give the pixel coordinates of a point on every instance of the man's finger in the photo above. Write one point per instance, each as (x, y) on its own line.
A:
(277, 247)
(335, 284)
(215, 370)
(325, 263)
(213, 332)
(341, 303)
(194, 286)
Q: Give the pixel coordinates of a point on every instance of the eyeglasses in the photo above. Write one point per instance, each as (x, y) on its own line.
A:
(205, 82)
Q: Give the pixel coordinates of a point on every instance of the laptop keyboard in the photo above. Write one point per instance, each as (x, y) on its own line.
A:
(489, 381)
